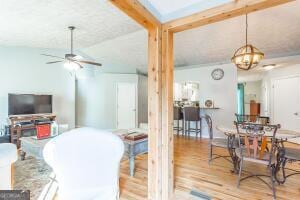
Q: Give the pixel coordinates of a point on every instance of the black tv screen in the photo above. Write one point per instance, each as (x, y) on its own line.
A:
(25, 104)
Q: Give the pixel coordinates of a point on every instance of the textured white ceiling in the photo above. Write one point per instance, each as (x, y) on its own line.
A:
(274, 31)
(43, 23)
(259, 72)
(129, 51)
(110, 37)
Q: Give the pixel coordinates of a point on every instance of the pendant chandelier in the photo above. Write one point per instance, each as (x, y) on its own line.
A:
(247, 56)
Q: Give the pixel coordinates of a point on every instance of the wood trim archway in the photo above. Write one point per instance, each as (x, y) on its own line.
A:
(160, 80)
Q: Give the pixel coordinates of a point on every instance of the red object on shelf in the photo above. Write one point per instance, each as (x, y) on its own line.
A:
(43, 131)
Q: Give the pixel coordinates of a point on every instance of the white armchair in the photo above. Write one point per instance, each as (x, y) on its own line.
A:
(8, 155)
(86, 162)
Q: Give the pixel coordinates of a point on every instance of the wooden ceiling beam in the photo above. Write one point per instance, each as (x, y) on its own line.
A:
(220, 13)
(138, 12)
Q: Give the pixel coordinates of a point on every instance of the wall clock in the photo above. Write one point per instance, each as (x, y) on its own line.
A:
(217, 74)
(209, 103)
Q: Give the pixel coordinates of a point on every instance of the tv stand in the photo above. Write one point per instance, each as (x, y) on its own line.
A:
(25, 122)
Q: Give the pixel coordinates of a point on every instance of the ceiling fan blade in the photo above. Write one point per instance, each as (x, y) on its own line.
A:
(52, 56)
(89, 62)
(54, 62)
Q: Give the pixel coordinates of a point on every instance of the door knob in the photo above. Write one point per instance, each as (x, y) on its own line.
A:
(296, 114)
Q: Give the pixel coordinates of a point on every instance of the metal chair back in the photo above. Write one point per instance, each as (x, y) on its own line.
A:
(253, 141)
(246, 118)
(253, 118)
(209, 126)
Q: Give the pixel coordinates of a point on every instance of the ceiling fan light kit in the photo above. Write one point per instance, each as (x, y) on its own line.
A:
(247, 56)
(71, 66)
(71, 61)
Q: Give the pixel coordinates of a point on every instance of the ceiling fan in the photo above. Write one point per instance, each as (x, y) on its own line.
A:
(71, 61)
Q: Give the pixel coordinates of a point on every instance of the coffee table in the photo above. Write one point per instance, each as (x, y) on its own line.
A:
(134, 148)
(30, 146)
(33, 147)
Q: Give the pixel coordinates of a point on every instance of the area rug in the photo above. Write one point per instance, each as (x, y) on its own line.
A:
(31, 174)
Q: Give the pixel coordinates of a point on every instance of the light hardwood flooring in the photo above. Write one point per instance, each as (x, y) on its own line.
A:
(216, 180)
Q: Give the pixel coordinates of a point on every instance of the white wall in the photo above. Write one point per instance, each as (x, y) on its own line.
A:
(96, 99)
(291, 70)
(23, 70)
(223, 92)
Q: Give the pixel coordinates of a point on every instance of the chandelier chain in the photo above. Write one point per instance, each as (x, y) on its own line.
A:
(246, 28)
(248, 56)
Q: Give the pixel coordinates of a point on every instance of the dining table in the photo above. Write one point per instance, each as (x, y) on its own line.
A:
(282, 136)
(287, 154)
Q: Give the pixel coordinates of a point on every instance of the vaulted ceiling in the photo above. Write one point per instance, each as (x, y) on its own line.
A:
(275, 31)
(37, 23)
(109, 36)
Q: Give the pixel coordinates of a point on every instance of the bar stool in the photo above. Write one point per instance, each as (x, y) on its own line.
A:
(178, 115)
(192, 114)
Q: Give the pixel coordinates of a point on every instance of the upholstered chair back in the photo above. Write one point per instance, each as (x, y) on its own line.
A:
(86, 162)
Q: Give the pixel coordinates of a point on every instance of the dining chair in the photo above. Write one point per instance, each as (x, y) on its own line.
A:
(252, 118)
(251, 150)
(285, 155)
(192, 114)
(263, 120)
(178, 116)
(215, 142)
(246, 118)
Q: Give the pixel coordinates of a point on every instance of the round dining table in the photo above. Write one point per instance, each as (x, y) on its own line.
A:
(281, 136)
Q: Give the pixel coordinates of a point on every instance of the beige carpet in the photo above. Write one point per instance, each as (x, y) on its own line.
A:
(31, 174)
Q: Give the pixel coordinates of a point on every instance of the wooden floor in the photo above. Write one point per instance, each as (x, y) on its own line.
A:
(216, 180)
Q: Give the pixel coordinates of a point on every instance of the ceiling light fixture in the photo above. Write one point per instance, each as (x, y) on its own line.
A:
(71, 66)
(269, 67)
(247, 56)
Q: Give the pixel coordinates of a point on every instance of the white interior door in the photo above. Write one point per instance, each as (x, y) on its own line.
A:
(126, 106)
(286, 107)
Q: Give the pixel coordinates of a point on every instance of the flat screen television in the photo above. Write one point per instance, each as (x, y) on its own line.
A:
(28, 104)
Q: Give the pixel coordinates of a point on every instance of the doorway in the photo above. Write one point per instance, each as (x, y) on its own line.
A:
(126, 105)
(286, 102)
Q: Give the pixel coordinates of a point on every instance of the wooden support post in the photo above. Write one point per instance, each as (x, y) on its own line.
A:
(167, 114)
(160, 97)
(160, 101)
(154, 115)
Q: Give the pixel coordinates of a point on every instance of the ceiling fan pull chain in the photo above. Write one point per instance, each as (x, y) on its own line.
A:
(246, 29)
